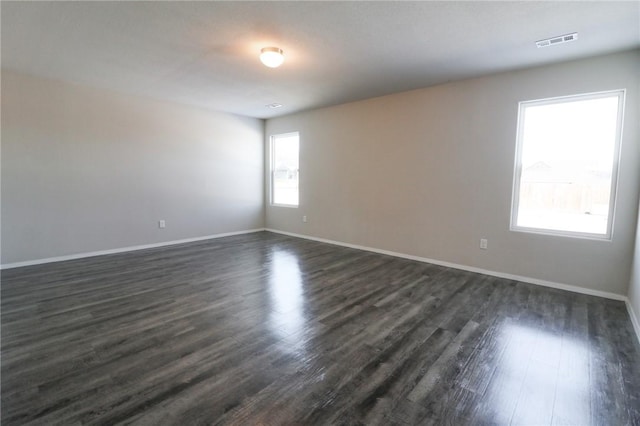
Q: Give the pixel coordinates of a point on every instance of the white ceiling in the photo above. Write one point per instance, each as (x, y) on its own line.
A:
(206, 53)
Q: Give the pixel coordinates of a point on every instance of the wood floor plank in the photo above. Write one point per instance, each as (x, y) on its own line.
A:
(269, 329)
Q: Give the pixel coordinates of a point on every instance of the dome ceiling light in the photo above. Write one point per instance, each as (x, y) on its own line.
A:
(271, 56)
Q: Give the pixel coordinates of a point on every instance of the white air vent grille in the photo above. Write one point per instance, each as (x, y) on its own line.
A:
(557, 40)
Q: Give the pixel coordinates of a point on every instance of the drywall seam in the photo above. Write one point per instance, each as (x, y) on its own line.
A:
(124, 249)
(528, 280)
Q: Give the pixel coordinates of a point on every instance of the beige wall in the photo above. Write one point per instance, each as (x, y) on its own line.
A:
(429, 172)
(86, 170)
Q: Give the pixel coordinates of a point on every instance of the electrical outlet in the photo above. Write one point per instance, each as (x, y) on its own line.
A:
(304, 219)
(483, 243)
(162, 224)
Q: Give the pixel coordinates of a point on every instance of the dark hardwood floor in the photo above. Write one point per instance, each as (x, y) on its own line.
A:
(264, 329)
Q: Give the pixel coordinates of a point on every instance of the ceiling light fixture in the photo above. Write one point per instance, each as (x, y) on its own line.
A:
(271, 56)
(274, 105)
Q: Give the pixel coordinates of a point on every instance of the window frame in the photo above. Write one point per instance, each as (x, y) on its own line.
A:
(272, 152)
(517, 175)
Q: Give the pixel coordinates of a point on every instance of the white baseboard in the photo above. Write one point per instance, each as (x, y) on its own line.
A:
(529, 280)
(634, 319)
(124, 249)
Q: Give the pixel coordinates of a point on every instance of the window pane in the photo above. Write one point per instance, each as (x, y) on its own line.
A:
(567, 154)
(284, 167)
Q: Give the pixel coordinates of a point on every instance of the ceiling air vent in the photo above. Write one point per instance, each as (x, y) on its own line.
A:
(557, 40)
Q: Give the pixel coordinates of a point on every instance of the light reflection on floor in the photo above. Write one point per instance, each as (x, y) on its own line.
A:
(285, 290)
(541, 377)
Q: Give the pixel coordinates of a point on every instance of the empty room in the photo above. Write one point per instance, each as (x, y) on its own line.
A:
(320, 213)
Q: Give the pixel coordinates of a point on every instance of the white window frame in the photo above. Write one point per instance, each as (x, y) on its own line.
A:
(515, 196)
(272, 162)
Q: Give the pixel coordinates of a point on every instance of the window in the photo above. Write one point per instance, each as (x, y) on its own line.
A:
(566, 165)
(284, 169)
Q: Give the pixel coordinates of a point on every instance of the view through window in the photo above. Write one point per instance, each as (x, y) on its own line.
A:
(284, 169)
(566, 164)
